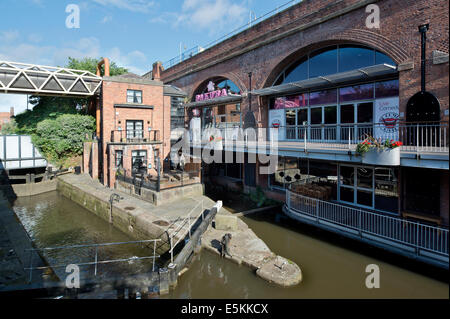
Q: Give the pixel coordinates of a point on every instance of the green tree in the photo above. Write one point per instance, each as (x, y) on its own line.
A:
(50, 107)
(63, 137)
(90, 64)
(9, 128)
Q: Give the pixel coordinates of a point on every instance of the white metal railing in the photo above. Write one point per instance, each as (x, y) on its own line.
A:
(182, 224)
(96, 262)
(387, 228)
(417, 137)
(40, 79)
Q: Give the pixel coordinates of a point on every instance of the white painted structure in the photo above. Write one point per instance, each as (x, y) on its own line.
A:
(18, 152)
(47, 80)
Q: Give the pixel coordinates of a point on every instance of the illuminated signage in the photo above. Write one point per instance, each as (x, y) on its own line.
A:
(211, 94)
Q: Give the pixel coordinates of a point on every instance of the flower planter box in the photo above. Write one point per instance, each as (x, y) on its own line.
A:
(386, 157)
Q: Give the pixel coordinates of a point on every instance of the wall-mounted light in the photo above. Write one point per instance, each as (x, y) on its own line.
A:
(149, 128)
(119, 128)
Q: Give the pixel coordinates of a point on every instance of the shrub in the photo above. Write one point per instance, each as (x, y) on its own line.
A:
(9, 128)
(63, 137)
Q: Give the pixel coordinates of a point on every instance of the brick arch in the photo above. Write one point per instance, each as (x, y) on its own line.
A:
(229, 75)
(358, 37)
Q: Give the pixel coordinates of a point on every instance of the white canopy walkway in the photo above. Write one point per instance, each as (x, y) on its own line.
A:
(47, 80)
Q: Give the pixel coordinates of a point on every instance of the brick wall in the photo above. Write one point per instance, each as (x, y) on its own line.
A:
(270, 46)
(157, 118)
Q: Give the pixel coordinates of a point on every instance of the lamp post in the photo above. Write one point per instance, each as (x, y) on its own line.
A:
(158, 169)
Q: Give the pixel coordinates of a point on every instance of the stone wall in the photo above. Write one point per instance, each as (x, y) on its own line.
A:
(164, 196)
(126, 221)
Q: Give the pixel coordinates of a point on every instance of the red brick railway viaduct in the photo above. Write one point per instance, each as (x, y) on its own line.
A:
(270, 46)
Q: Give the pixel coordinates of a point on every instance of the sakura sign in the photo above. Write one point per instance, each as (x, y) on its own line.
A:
(211, 94)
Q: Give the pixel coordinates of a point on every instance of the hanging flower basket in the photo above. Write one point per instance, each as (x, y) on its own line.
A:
(378, 152)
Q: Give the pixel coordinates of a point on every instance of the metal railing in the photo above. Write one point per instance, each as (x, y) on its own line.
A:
(96, 262)
(387, 229)
(138, 178)
(169, 179)
(181, 224)
(198, 49)
(135, 136)
(419, 137)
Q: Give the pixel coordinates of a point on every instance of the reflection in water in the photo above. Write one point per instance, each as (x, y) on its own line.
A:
(52, 220)
(329, 270)
(332, 267)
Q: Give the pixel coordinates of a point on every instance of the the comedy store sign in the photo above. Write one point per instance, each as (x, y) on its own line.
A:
(387, 115)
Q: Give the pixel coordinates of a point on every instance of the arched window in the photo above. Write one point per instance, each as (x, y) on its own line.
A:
(218, 83)
(330, 60)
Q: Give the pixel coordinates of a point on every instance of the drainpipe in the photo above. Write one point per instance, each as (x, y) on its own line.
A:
(423, 30)
(249, 90)
(105, 61)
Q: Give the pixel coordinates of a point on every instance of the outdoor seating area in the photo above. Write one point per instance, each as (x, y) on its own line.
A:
(318, 190)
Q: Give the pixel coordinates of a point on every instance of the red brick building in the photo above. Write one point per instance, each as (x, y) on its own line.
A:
(324, 78)
(5, 117)
(134, 128)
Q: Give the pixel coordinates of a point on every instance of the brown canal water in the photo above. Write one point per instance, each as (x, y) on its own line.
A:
(52, 220)
(330, 269)
(332, 266)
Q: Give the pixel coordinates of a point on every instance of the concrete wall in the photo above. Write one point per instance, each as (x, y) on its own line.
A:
(126, 221)
(164, 196)
(30, 189)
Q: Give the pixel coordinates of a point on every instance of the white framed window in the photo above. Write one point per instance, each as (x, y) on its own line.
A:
(134, 96)
(370, 187)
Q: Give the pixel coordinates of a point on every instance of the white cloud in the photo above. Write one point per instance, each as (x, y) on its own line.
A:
(130, 5)
(34, 37)
(37, 2)
(106, 19)
(129, 60)
(15, 51)
(8, 36)
(211, 15)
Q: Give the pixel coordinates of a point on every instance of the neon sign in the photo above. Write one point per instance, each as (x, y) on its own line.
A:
(211, 94)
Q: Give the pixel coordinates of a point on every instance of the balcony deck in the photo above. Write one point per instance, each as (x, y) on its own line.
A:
(424, 145)
(412, 239)
(135, 137)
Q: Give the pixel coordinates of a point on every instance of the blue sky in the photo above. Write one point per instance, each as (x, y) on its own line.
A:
(133, 33)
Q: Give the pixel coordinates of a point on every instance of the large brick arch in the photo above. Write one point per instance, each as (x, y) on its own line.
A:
(356, 36)
(228, 75)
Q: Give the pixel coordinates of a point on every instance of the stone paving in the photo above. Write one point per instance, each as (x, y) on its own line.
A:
(246, 248)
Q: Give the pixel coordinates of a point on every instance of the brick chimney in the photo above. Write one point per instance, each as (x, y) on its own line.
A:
(156, 71)
(11, 111)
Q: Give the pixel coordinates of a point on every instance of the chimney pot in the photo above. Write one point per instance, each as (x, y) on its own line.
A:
(156, 71)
